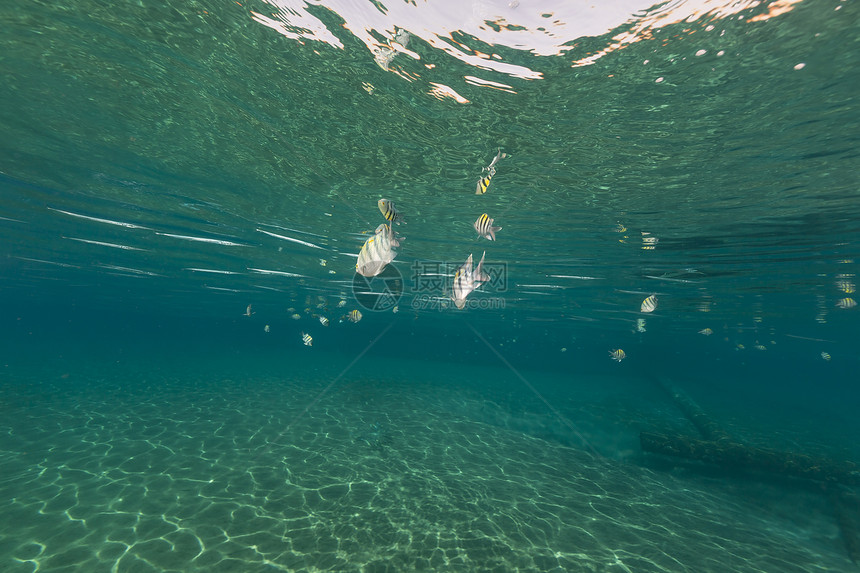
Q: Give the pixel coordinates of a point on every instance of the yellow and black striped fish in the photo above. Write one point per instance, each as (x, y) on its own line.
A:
(617, 355)
(388, 211)
(649, 304)
(354, 316)
(846, 302)
(484, 227)
(307, 339)
(484, 182)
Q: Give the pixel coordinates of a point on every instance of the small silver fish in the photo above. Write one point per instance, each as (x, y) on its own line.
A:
(266, 328)
(377, 252)
(649, 304)
(388, 211)
(467, 279)
(490, 170)
(484, 227)
(307, 339)
(249, 310)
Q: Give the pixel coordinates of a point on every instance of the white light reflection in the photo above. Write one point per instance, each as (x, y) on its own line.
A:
(541, 27)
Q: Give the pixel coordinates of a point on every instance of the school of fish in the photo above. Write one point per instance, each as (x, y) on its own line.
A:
(379, 251)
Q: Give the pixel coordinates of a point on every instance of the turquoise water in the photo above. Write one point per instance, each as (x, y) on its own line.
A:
(164, 165)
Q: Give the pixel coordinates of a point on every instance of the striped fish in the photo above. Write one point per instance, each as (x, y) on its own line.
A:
(354, 316)
(490, 171)
(467, 279)
(825, 356)
(323, 321)
(617, 355)
(307, 339)
(649, 304)
(846, 302)
(483, 183)
(377, 252)
(484, 227)
(388, 211)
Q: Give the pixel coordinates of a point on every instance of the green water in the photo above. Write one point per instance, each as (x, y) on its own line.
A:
(163, 165)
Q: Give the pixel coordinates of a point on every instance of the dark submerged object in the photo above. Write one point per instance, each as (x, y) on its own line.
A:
(739, 456)
(720, 449)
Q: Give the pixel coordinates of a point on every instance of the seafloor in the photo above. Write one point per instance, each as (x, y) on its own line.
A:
(135, 467)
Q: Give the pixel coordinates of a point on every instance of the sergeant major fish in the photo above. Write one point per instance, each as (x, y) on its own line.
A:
(307, 339)
(649, 304)
(377, 252)
(468, 279)
(390, 212)
(484, 182)
(484, 227)
(617, 355)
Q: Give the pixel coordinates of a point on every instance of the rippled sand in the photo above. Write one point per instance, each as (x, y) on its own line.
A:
(219, 474)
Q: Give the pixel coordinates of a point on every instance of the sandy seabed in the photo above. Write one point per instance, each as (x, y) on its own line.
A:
(169, 474)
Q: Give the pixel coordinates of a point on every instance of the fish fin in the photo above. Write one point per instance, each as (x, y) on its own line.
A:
(492, 234)
(479, 270)
(371, 269)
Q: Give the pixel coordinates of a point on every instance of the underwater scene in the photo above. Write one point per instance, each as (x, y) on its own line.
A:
(394, 285)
